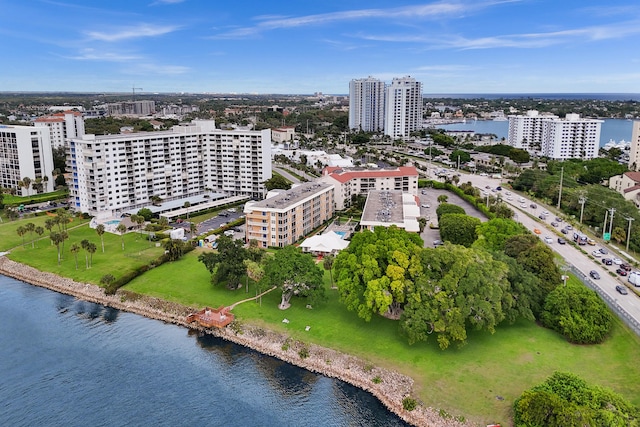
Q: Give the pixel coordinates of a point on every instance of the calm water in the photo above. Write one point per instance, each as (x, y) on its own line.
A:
(616, 129)
(66, 362)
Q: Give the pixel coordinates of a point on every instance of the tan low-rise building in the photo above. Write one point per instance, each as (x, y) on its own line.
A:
(281, 219)
(627, 184)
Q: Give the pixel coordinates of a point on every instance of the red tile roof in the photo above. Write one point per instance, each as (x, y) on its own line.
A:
(630, 189)
(343, 175)
(634, 176)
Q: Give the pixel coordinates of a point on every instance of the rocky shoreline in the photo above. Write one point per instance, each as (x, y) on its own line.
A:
(388, 386)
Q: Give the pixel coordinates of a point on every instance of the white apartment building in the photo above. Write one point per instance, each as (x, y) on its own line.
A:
(132, 108)
(553, 137)
(403, 107)
(115, 173)
(62, 126)
(283, 135)
(634, 152)
(281, 220)
(25, 151)
(525, 131)
(366, 105)
(358, 180)
(571, 138)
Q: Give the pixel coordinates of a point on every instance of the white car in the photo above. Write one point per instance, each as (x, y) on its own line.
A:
(425, 205)
(524, 205)
(596, 254)
(548, 239)
(617, 261)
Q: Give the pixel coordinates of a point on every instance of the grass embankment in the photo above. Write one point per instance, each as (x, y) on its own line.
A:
(479, 381)
(11, 200)
(114, 260)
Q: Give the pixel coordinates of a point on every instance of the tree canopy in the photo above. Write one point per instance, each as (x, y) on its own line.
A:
(227, 264)
(377, 268)
(492, 234)
(296, 273)
(459, 288)
(566, 400)
(459, 229)
(448, 208)
(277, 181)
(578, 313)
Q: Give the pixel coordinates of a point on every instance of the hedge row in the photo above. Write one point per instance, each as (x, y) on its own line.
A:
(477, 202)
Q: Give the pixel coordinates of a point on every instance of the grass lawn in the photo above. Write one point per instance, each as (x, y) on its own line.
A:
(114, 260)
(9, 237)
(479, 381)
(35, 198)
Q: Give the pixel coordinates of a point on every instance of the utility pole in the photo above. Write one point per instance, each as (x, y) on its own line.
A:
(560, 190)
(133, 89)
(613, 210)
(604, 224)
(582, 201)
(629, 232)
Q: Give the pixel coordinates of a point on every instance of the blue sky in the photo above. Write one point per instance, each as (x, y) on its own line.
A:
(304, 46)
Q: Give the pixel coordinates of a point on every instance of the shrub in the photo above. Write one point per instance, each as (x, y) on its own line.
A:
(409, 403)
(377, 379)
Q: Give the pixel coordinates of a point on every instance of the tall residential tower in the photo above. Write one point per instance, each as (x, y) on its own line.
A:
(403, 111)
(366, 105)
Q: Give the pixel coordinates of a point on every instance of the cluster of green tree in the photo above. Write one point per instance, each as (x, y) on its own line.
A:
(294, 272)
(277, 181)
(583, 199)
(566, 400)
(490, 206)
(446, 290)
(318, 120)
(517, 155)
(111, 125)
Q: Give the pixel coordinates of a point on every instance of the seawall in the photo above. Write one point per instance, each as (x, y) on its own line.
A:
(390, 387)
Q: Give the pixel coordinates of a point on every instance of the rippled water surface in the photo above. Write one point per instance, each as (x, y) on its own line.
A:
(66, 362)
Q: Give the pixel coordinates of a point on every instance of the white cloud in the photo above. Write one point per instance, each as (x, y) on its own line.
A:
(142, 30)
(94, 55)
(433, 10)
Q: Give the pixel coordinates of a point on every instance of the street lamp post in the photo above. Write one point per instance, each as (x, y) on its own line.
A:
(560, 190)
(604, 224)
(613, 210)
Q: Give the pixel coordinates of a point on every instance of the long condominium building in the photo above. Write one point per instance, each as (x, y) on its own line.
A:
(25, 152)
(62, 126)
(553, 137)
(634, 155)
(366, 105)
(571, 138)
(115, 173)
(287, 216)
(403, 107)
(353, 181)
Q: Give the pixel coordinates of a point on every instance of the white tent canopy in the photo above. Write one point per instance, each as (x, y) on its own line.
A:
(329, 242)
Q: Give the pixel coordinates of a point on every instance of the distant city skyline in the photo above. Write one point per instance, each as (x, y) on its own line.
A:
(453, 47)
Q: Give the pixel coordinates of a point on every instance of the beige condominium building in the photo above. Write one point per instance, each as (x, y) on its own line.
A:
(634, 155)
(286, 216)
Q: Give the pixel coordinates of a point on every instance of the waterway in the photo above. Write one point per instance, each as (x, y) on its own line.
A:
(612, 129)
(68, 362)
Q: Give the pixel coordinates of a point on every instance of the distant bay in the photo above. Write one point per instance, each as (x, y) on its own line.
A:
(612, 129)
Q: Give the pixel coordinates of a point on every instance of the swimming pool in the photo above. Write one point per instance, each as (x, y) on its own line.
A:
(113, 222)
(341, 233)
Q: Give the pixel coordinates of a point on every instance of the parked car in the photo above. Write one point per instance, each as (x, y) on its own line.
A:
(594, 275)
(622, 289)
(561, 241)
(438, 243)
(523, 205)
(603, 251)
(569, 227)
(542, 217)
(617, 261)
(621, 271)
(533, 206)
(596, 254)
(223, 214)
(607, 261)
(634, 278)
(425, 205)
(229, 233)
(499, 188)
(625, 266)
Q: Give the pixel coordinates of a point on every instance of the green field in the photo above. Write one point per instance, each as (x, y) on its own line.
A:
(479, 381)
(35, 198)
(9, 237)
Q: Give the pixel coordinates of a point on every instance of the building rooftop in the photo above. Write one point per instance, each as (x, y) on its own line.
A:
(290, 197)
(384, 206)
(343, 174)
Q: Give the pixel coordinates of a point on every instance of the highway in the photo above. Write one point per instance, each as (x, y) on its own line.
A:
(572, 255)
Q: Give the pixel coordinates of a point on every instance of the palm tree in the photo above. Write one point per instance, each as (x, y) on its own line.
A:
(21, 232)
(56, 239)
(155, 200)
(121, 228)
(100, 230)
(187, 205)
(26, 182)
(30, 227)
(75, 248)
(174, 249)
(39, 231)
(85, 244)
(327, 263)
(91, 248)
(193, 229)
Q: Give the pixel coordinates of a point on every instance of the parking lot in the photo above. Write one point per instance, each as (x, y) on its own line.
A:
(223, 218)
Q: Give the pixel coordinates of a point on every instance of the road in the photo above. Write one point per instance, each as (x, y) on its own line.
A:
(571, 254)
